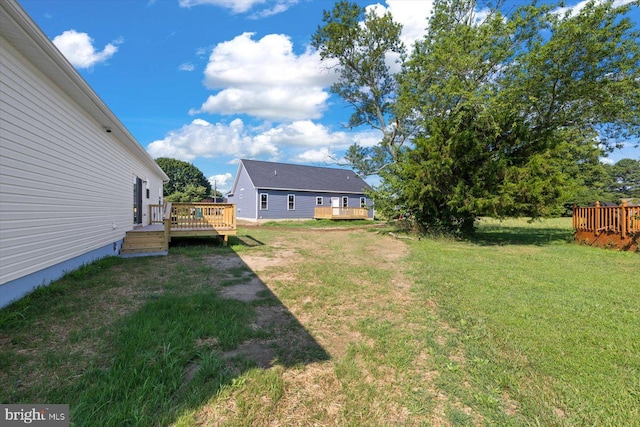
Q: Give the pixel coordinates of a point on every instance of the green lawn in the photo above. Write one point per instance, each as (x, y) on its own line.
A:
(517, 326)
(553, 326)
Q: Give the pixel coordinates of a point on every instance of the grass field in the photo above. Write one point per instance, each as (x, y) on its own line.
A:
(347, 326)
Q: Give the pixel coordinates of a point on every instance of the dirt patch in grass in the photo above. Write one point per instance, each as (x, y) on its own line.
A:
(252, 291)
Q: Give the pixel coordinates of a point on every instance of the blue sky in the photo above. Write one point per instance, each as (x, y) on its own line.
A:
(213, 81)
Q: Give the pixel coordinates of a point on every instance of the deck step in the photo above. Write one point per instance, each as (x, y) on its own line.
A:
(144, 242)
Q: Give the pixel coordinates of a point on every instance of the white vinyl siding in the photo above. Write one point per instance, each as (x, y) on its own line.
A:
(65, 184)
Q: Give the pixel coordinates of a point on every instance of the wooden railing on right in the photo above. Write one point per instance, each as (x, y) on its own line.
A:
(617, 226)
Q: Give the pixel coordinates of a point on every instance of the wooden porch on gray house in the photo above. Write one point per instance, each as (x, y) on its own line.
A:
(180, 220)
(341, 213)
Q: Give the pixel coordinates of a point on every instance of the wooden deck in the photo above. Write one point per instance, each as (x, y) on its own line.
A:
(180, 220)
(608, 226)
(341, 213)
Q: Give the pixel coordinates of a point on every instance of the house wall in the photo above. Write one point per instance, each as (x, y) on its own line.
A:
(305, 203)
(245, 197)
(66, 185)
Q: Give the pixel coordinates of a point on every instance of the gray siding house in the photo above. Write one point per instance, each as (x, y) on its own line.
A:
(274, 191)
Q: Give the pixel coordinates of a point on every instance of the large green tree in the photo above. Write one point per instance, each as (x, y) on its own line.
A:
(507, 106)
(187, 182)
(362, 46)
(625, 178)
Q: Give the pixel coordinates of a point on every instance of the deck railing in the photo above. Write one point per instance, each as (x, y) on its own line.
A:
(157, 214)
(198, 215)
(203, 216)
(341, 213)
(623, 219)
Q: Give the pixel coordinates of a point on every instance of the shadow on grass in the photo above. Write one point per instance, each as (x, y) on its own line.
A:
(213, 242)
(171, 345)
(490, 235)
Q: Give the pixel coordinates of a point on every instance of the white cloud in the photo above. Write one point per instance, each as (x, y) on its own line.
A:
(305, 133)
(265, 78)
(222, 182)
(187, 66)
(270, 61)
(575, 9)
(203, 139)
(279, 7)
(323, 155)
(206, 140)
(272, 7)
(276, 103)
(411, 14)
(606, 161)
(236, 6)
(79, 50)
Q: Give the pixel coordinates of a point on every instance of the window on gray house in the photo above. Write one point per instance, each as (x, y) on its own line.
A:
(292, 202)
(319, 201)
(264, 201)
(345, 201)
(363, 202)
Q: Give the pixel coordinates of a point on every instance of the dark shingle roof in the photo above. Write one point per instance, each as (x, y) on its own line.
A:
(283, 176)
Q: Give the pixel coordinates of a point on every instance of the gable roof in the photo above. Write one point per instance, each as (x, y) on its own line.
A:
(284, 176)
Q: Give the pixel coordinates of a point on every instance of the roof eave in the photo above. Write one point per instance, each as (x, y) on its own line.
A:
(48, 58)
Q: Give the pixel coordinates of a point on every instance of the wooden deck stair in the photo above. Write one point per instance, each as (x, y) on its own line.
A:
(145, 241)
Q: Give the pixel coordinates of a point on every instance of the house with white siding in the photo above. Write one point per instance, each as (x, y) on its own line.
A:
(276, 191)
(73, 180)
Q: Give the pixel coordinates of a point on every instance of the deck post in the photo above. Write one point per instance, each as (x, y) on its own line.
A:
(166, 220)
(623, 219)
(596, 229)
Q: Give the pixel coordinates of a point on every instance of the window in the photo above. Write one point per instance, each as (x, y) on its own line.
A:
(345, 201)
(363, 202)
(319, 201)
(264, 201)
(291, 202)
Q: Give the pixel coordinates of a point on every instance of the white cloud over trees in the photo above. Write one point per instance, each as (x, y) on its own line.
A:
(284, 91)
(207, 140)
